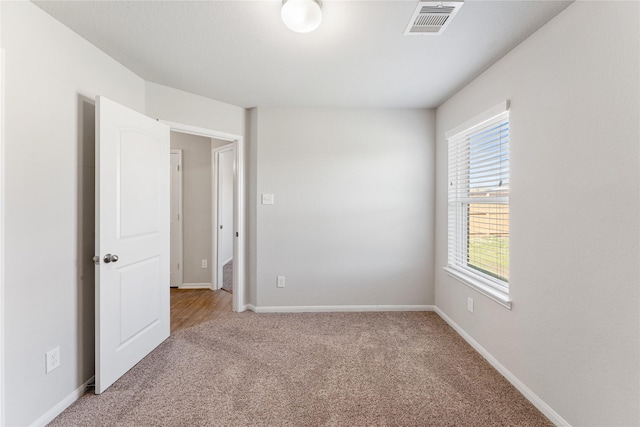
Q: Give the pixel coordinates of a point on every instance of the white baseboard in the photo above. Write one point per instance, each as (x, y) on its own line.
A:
(226, 261)
(522, 388)
(195, 286)
(249, 307)
(340, 308)
(62, 405)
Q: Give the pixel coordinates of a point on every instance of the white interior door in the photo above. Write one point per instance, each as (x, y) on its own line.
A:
(176, 219)
(224, 169)
(132, 239)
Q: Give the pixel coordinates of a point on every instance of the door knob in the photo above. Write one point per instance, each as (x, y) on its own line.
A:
(110, 258)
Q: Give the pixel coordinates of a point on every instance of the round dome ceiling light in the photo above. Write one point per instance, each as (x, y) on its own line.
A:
(301, 16)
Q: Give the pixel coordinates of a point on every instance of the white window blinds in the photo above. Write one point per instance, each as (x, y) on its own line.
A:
(478, 202)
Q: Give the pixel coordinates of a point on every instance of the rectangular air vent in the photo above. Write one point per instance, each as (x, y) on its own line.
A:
(432, 17)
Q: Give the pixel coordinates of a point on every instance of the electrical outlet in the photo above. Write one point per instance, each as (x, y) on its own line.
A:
(281, 281)
(52, 358)
(470, 304)
(204, 263)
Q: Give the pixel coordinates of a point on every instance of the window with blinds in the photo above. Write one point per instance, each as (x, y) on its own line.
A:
(478, 203)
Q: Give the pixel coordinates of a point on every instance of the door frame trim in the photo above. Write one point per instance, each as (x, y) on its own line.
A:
(2, 235)
(178, 151)
(215, 213)
(239, 285)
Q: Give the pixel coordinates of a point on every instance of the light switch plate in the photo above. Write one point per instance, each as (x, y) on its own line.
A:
(267, 199)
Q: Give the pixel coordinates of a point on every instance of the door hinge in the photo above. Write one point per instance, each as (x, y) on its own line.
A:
(236, 234)
(178, 217)
(96, 259)
(178, 168)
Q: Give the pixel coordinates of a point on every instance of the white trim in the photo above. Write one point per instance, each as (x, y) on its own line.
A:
(460, 197)
(250, 307)
(239, 286)
(479, 120)
(62, 405)
(194, 130)
(477, 283)
(2, 408)
(215, 280)
(339, 308)
(216, 272)
(522, 388)
(178, 151)
(196, 286)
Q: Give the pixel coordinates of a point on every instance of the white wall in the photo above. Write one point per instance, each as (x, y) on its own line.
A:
(177, 106)
(52, 77)
(196, 206)
(185, 108)
(573, 334)
(252, 204)
(352, 222)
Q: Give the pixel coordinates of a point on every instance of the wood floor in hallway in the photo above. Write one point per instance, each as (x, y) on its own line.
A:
(190, 307)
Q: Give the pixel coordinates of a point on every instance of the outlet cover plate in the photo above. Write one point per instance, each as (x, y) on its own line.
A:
(52, 358)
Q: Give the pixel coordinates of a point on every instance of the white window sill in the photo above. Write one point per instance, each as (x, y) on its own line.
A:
(480, 285)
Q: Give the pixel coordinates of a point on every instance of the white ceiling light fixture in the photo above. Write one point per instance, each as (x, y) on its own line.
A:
(301, 16)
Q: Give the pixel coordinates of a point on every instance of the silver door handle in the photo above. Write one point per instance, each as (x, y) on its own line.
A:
(110, 258)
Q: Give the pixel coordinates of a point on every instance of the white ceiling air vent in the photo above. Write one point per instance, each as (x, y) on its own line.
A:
(432, 17)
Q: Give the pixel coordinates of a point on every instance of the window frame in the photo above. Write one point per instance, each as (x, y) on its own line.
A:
(493, 287)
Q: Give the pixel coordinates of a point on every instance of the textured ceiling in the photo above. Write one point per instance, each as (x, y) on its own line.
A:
(241, 53)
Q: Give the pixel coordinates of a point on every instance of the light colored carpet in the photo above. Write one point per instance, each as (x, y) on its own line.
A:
(310, 369)
(227, 276)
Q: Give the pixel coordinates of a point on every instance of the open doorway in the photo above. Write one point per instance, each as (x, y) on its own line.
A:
(207, 248)
(196, 294)
(195, 201)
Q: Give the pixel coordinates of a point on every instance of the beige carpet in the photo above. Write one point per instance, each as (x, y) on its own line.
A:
(333, 369)
(227, 276)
